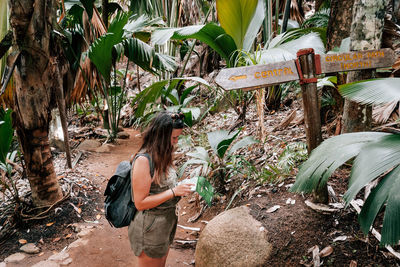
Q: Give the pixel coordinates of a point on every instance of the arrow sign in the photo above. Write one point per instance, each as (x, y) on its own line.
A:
(253, 77)
(357, 60)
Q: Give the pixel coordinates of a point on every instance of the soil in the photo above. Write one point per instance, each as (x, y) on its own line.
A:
(292, 229)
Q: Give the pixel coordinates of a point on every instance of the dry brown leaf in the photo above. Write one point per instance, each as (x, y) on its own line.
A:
(353, 263)
(98, 216)
(22, 241)
(56, 239)
(68, 235)
(41, 254)
(326, 251)
(50, 224)
(79, 210)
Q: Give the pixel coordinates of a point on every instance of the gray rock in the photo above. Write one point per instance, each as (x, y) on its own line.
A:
(46, 264)
(77, 243)
(16, 257)
(123, 135)
(84, 232)
(66, 262)
(59, 256)
(89, 145)
(30, 248)
(104, 148)
(233, 238)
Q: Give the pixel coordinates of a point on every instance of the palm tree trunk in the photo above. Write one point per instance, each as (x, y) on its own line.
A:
(366, 34)
(32, 23)
(39, 166)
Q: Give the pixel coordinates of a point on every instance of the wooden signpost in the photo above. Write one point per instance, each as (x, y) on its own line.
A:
(305, 69)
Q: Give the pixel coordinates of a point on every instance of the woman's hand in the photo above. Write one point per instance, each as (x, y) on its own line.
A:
(183, 189)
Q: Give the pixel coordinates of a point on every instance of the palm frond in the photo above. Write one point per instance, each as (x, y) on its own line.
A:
(376, 91)
(330, 155)
(386, 192)
(386, 154)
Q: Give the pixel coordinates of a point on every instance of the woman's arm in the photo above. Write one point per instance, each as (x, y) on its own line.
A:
(141, 183)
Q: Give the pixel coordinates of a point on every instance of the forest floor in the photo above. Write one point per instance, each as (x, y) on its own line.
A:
(294, 229)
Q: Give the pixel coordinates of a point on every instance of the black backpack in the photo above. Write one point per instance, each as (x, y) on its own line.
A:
(118, 206)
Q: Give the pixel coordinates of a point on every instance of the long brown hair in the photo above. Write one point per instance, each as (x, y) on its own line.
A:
(157, 141)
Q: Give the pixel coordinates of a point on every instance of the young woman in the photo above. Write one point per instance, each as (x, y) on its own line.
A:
(153, 228)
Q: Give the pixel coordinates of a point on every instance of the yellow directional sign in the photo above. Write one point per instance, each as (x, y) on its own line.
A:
(357, 60)
(257, 76)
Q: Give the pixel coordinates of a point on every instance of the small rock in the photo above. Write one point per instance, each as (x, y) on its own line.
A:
(104, 148)
(89, 145)
(123, 135)
(46, 264)
(84, 232)
(2, 264)
(66, 262)
(15, 257)
(30, 248)
(78, 243)
(59, 256)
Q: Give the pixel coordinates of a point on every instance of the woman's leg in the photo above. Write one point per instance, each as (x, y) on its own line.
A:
(146, 261)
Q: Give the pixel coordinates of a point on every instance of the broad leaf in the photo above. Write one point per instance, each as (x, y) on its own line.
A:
(6, 133)
(246, 141)
(211, 34)
(387, 191)
(330, 155)
(145, 56)
(235, 17)
(138, 24)
(279, 51)
(205, 189)
(377, 91)
(88, 5)
(254, 26)
(385, 153)
(221, 140)
(100, 53)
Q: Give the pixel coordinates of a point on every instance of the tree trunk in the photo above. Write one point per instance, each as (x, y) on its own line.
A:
(32, 23)
(366, 33)
(338, 29)
(339, 22)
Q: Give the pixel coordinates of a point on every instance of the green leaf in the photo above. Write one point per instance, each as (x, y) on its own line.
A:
(376, 91)
(235, 17)
(391, 220)
(254, 26)
(211, 34)
(246, 141)
(6, 133)
(138, 24)
(385, 192)
(148, 95)
(328, 156)
(146, 57)
(153, 92)
(205, 189)
(100, 53)
(221, 140)
(88, 5)
(386, 154)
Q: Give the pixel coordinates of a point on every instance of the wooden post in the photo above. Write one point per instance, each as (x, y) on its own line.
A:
(308, 81)
(307, 68)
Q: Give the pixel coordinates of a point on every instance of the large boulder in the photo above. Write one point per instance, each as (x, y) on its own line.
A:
(233, 238)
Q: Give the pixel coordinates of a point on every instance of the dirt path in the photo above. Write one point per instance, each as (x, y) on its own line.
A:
(109, 246)
(104, 245)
